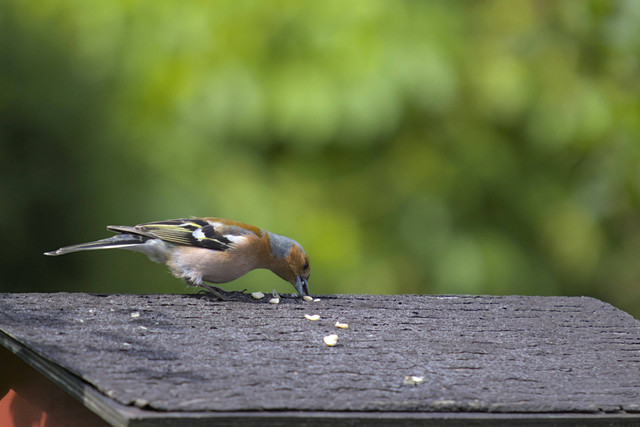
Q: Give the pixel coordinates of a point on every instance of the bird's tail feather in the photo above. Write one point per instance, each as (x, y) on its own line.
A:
(121, 241)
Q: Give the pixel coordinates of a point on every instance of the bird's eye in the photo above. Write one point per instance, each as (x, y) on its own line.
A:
(306, 265)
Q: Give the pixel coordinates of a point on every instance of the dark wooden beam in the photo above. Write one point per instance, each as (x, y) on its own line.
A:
(165, 360)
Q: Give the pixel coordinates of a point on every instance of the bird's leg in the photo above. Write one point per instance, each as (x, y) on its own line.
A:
(215, 291)
(208, 289)
(219, 293)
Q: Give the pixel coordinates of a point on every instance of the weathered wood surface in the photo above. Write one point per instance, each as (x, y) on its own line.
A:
(477, 354)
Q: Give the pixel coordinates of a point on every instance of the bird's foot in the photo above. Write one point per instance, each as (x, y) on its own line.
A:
(219, 293)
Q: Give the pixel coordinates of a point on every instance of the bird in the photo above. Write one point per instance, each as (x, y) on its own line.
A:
(207, 249)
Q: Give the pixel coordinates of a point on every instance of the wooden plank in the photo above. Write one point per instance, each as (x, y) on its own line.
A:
(185, 358)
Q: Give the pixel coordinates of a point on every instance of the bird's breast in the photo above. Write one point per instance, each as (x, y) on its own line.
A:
(210, 265)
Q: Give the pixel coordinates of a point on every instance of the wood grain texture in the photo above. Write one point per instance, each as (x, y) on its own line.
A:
(477, 354)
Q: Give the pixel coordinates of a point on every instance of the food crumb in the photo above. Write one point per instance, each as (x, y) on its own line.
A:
(141, 403)
(412, 380)
(331, 340)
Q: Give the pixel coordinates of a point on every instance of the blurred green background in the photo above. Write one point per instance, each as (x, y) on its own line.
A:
(480, 147)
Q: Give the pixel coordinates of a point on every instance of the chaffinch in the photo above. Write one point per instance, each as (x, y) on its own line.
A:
(213, 250)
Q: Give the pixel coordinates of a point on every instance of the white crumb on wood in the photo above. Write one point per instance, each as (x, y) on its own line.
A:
(331, 340)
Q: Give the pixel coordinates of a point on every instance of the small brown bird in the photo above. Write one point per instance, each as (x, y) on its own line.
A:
(213, 250)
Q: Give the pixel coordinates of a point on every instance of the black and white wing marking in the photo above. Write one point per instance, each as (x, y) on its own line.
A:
(188, 232)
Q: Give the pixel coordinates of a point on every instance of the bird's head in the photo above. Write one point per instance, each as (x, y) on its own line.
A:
(298, 262)
(290, 262)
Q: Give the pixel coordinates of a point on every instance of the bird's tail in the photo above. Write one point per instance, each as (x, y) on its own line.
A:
(121, 241)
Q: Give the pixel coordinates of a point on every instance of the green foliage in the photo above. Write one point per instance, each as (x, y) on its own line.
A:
(427, 147)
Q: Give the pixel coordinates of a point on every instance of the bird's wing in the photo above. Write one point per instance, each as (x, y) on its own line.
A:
(187, 231)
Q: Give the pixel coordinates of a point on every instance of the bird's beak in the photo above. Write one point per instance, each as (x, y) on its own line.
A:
(302, 286)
